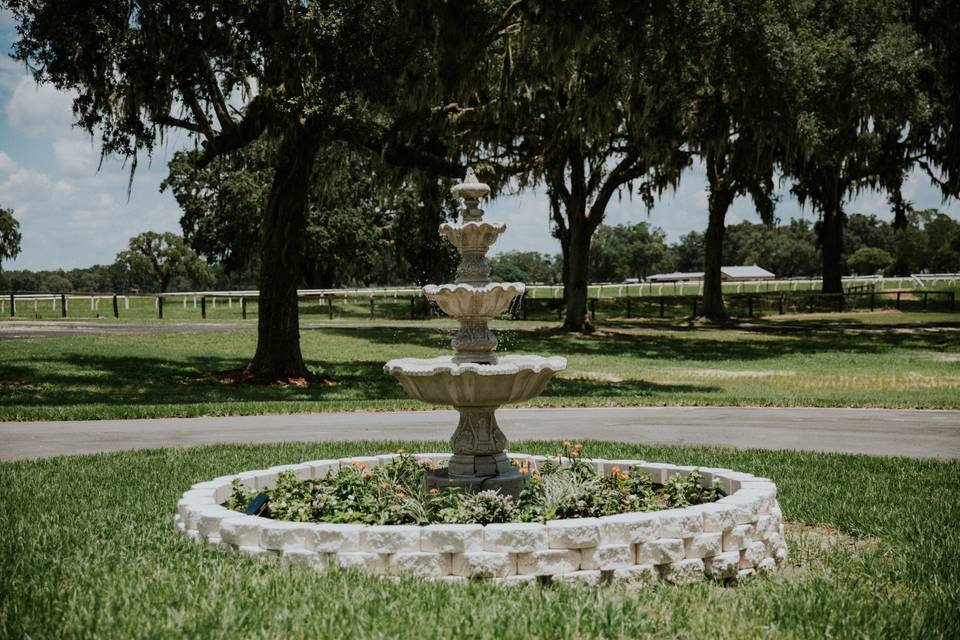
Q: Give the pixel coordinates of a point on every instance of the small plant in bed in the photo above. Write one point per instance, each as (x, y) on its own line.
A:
(394, 493)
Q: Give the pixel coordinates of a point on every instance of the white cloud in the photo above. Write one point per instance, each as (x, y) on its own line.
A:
(7, 165)
(40, 110)
(76, 155)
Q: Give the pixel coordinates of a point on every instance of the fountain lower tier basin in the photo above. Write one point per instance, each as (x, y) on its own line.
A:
(446, 381)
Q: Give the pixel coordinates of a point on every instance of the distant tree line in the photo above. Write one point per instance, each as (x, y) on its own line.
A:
(929, 242)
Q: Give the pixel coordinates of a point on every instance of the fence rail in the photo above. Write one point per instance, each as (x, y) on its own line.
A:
(409, 303)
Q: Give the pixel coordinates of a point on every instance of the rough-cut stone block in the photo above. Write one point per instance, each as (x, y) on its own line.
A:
(241, 531)
(638, 574)
(656, 471)
(256, 551)
(738, 538)
(319, 468)
(371, 562)
(392, 539)
(629, 528)
(577, 533)
(515, 537)
(762, 525)
(515, 581)
(762, 502)
(590, 578)
(455, 579)
(745, 508)
(610, 556)
(660, 551)
(752, 555)
(280, 535)
(548, 562)
(780, 555)
(424, 564)
(766, 566)
(208, 523)
(745, 573)
(331, 537)
(680, 523)
(451, 538)
(304, 557)
(682, 572)
(191, 512)
(723, 565)
(484, 564)
(716, 517)
(703, 545)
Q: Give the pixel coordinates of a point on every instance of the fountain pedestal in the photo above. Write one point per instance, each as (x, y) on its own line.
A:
(479, 458)
(475, 381)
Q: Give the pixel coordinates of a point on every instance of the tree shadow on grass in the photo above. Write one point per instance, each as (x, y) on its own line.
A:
(70, 379)
(686, 346)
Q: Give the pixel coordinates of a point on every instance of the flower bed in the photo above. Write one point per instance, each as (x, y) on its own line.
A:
(737, 535)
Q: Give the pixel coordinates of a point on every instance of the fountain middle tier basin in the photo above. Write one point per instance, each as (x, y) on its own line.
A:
(442, 381)
(466, 300)
(473, 236)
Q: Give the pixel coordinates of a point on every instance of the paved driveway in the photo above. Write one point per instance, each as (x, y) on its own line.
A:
(888, 432)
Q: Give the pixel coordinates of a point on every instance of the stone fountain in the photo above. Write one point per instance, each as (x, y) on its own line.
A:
(475, 380)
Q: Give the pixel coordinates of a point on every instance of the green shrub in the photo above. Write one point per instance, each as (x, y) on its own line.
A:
(394, 493)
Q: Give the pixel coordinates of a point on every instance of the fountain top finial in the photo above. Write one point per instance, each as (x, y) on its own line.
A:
(470, 190)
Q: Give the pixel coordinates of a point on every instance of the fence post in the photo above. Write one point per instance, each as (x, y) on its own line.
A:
(523, 305)
(13, 305)
(63, 305)
(116, 309)
(203, 307)
(839, 302)
(953, 301)
(871, 300)
(898, 300)
(661, 306)
(628, 308)
(160, 307)
(924, 300)
(243, 308)
(593, 308)
(330, 307)
(781, 304)
(413, 307)
(750, 306)
(371, 308)
(694, 307)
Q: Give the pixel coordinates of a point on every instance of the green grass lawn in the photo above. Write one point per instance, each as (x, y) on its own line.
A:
(90, 550)
(93, 377)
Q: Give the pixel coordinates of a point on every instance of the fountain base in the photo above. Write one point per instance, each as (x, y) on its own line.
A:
(508, 482)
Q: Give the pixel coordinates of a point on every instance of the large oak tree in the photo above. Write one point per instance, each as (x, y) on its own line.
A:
(307, 74)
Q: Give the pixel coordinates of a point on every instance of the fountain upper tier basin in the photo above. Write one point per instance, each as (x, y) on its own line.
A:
(513, 378)
(473, 236)
(466, 300)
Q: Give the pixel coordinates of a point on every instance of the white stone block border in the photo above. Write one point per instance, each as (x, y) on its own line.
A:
(737, 536)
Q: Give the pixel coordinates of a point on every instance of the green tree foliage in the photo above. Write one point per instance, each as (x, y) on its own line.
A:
(9, 236)
(746, 73)
(157, 260)
(588, 108)
(311, 75)
(628, 251)
(864, 119)
(867, 261)
(364, 227)
(526, 266)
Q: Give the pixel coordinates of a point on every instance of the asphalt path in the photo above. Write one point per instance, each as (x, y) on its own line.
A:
(879, 432)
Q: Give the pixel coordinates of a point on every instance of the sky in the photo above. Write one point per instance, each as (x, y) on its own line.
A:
(75, 212)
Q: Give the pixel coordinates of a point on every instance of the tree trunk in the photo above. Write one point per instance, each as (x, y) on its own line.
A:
(713, 309)
(831, 249)
(283, 229)
(578, 265)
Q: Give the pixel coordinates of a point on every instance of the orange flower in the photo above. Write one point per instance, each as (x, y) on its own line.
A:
(358, 465)
(399, 451)
(566, 443)
(615, 471)
(434, 490)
